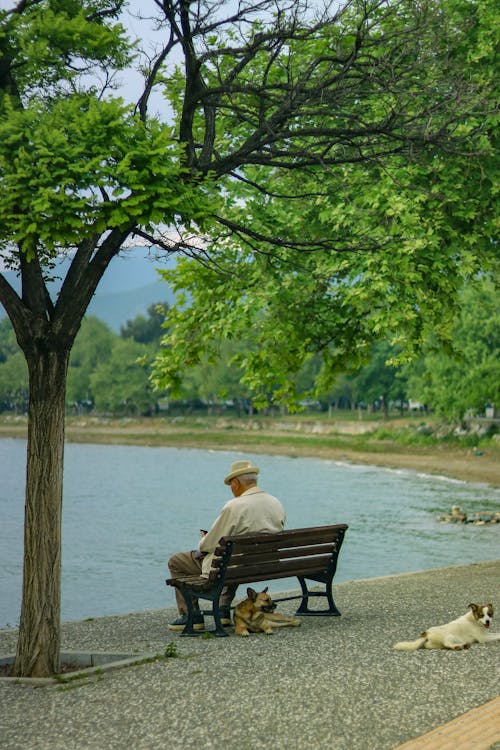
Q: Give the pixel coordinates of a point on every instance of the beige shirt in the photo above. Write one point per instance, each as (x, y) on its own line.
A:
(254, 511)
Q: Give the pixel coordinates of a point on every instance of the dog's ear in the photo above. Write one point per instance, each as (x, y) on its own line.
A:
(476, 609)
(490, 608)
(265, 590)
(252, 595)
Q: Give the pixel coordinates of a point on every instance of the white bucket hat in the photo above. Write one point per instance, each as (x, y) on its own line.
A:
(238, 468)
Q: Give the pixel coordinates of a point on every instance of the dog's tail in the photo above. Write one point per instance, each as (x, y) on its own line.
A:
(411, 645)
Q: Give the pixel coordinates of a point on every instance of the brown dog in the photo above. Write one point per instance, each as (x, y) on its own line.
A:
(256, 615)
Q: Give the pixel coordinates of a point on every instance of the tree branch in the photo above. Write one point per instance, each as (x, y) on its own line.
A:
(86, 270)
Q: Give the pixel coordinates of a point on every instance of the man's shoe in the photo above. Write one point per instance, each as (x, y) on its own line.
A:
(181, 622)
(225, 616)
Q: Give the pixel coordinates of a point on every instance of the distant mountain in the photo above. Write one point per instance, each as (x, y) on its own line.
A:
(130, 285)
(118, 307)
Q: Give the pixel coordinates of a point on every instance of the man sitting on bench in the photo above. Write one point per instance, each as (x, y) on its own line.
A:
(250, 511)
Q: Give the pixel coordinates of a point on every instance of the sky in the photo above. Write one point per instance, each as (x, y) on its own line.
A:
(131, 81)
(150, 40)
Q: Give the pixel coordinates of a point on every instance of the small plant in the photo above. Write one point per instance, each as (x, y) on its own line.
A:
(72, 677)
(171, 651)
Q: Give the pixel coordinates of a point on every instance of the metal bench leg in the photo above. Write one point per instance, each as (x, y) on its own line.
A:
(303, 609)
(189, 630)
(219, 628)
(331, 604)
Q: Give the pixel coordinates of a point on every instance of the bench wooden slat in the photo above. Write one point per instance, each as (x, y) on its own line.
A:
(275, 548)
(281, 569)
(197, 583)
(274, 555)
(292, 537)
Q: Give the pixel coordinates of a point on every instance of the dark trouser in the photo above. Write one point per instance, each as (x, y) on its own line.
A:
(189, 563)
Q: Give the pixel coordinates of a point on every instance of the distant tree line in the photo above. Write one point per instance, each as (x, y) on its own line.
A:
(110, 373)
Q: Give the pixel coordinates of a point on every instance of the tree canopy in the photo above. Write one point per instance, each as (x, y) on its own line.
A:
(467, 378)
(367, 246)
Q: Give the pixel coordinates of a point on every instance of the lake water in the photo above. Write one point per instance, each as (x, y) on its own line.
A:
(127, 509)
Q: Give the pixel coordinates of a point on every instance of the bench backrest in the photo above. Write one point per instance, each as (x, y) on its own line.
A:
(295, 552)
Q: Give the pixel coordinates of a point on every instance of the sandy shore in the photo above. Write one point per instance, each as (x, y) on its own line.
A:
(466, 464)
(455, 464)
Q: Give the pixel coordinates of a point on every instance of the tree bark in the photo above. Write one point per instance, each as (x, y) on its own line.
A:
(39, 632)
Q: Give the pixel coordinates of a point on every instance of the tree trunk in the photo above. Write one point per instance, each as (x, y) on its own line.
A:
(385, 405)
(39, 632)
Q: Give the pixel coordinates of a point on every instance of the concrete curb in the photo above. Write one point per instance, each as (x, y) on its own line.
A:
(87, 664)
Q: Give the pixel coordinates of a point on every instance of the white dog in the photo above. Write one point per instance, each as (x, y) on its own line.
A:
(460, 633)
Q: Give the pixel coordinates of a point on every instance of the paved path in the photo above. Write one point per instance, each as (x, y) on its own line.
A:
(333, 683)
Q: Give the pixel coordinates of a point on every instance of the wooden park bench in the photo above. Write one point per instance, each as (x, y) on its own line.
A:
(310, 554)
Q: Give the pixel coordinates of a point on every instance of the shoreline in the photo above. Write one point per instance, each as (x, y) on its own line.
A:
(463, 464)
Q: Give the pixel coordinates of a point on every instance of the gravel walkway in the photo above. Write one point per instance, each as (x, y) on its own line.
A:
(333, 683)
